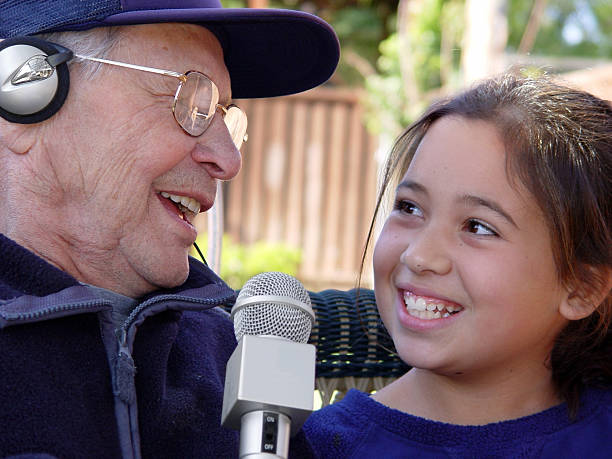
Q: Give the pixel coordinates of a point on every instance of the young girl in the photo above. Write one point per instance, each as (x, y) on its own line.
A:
(492, 275)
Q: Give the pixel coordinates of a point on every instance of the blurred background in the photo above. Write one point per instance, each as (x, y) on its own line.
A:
(303, 201)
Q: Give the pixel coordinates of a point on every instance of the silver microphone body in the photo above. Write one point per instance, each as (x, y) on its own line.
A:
(269, 382)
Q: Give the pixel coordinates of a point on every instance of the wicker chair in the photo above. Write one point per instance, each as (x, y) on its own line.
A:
(354, 349)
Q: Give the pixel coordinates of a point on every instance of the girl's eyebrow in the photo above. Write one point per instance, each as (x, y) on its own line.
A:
(471, 200)
(468, 200)
(412, 185)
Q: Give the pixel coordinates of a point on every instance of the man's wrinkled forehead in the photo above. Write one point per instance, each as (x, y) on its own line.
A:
(177, 47)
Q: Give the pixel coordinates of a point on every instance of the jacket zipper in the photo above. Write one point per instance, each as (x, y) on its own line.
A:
(53, 310)
(162, 298)
(124, 386)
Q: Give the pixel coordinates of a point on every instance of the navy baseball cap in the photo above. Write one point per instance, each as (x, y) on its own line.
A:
(268, 52)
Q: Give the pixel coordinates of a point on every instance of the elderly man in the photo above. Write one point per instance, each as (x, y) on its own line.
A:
(116, 125)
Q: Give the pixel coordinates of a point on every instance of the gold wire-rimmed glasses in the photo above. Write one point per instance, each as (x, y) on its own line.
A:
(195, 102)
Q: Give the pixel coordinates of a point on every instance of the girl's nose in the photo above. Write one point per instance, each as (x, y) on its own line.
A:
(427, 253)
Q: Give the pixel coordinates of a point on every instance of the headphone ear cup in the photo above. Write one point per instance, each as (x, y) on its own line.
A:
(35, 101)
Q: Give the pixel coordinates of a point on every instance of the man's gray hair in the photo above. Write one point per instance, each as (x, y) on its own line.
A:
(96, 42)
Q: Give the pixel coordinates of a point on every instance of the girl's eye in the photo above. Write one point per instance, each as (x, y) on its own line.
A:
(479, 228)
(407, 207)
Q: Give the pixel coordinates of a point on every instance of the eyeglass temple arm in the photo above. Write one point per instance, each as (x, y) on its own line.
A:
(169, 73)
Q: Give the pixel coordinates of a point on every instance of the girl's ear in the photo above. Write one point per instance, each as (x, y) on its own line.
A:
(584, 298)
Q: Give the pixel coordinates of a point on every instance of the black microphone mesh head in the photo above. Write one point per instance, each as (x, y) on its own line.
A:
(275, 304)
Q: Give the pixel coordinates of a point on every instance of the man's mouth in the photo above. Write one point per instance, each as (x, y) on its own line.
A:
(429, 308)
(187, 207)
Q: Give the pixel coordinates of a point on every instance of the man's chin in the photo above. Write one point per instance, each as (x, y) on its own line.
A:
(169, 279)
(173, 283)
(164, 275)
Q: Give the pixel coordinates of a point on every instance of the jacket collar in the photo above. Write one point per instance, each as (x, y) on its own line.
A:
(23, 272)
(31, 289)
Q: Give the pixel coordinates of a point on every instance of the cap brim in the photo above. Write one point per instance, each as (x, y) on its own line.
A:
(268, 52)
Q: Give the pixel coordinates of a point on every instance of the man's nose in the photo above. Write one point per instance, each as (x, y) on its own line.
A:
(216, 151)
(427, 252)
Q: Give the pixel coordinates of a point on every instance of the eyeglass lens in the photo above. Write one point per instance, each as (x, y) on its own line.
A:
(236, 122)
(195, 105)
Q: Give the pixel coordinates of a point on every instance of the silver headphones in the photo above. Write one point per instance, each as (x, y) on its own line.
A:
(34, 79)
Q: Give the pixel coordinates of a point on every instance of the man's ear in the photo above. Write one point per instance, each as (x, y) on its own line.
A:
(584, 298)
(17, 138)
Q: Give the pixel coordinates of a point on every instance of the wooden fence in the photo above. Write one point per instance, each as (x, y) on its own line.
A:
(308, 180)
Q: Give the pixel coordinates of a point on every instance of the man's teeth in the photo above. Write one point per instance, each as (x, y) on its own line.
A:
(419, 307)
(184, 202)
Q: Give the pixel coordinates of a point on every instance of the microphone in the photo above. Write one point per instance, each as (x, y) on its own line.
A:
(269, 381)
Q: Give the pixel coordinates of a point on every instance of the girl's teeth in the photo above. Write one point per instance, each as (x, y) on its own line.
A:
(427, 315)
(419, 307)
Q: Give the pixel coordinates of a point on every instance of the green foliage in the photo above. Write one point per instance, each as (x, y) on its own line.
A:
(424, 45)
(371, 49)
(388, 109)
(359, 24)
(239, 262)
(358, 29)
(590, 20)
(234, 3)
(385, 104)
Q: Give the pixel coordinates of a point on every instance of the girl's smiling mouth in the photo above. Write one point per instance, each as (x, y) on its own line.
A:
(428, 308)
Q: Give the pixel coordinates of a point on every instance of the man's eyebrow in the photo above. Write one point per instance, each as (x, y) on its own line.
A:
(471, 200)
